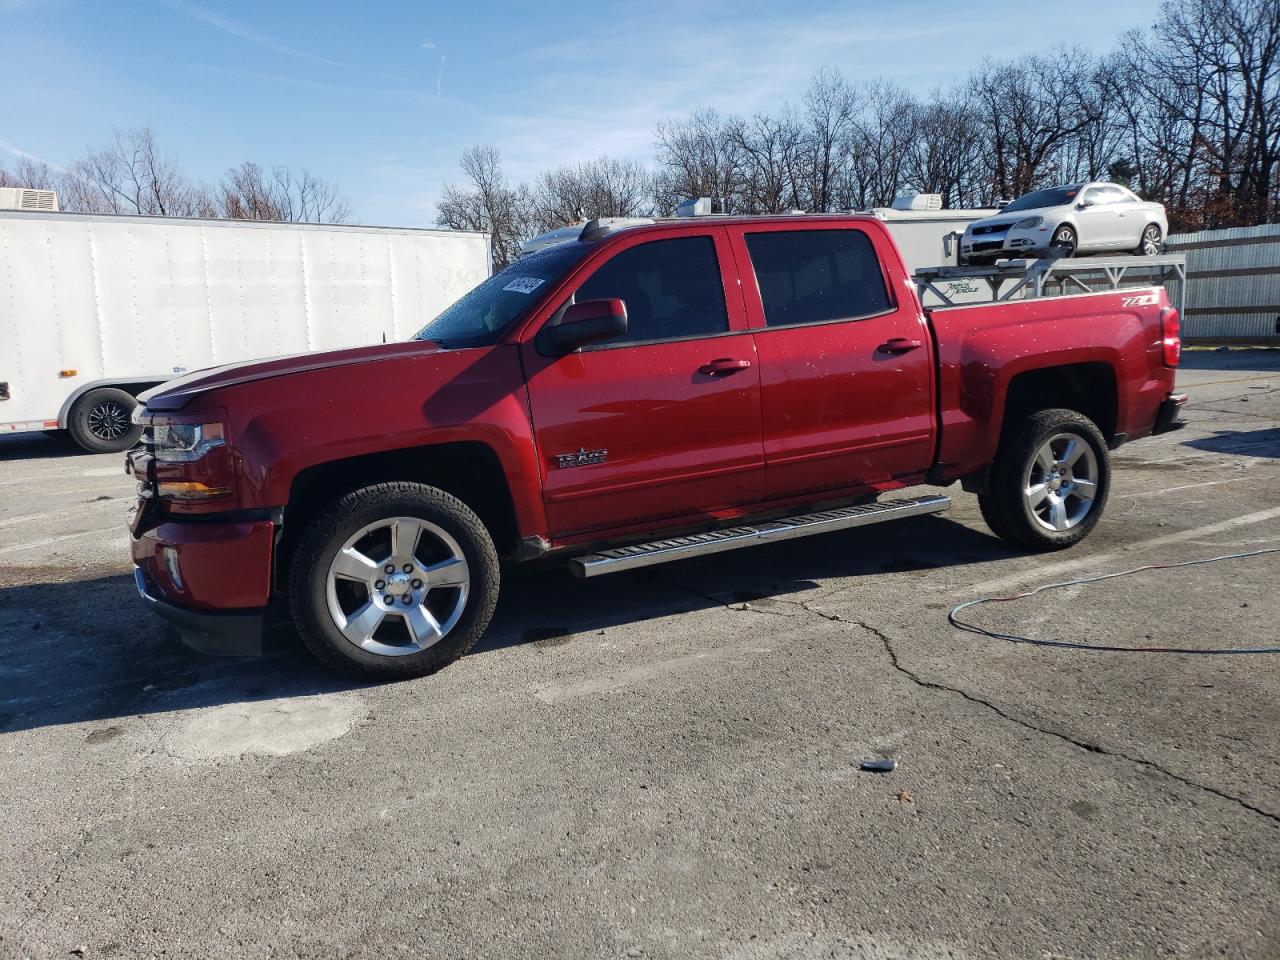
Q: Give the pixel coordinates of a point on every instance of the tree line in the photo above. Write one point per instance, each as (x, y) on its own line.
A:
(132, 175)
(1186, 113)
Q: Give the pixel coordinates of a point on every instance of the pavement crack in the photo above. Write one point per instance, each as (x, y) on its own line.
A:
(737, 607)
(920, 681)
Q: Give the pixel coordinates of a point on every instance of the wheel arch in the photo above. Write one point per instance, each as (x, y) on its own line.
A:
(130, 385)
(469, 470)
(1089, 387)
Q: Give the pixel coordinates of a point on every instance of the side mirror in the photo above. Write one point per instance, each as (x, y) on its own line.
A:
(590, 321)
(1084, 203)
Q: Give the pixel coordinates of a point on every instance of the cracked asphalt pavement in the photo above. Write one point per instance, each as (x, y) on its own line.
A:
(667, 763)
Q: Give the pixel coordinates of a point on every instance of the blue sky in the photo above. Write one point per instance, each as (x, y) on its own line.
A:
(381, 98)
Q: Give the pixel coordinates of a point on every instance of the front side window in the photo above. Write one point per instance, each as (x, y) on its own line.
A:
(815, 276)
(672, 289)
(1100, 195)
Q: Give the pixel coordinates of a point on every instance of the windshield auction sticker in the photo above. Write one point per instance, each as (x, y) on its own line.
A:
(524, 284)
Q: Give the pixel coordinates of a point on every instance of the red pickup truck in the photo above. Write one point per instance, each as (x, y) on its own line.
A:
(639, 394)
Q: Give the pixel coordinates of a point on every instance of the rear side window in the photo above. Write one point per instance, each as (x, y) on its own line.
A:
(815, 276)
(672, 289)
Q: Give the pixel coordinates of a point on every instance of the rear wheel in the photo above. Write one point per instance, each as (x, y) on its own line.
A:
(100, 421)
(1049, 483)
(1150, 243)
(392, 581)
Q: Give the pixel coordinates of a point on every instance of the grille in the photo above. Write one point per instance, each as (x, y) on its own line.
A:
(998, 228)
(990, 245)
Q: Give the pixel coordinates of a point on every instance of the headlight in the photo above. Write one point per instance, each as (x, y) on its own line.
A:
(1028, 223)
(185, 442)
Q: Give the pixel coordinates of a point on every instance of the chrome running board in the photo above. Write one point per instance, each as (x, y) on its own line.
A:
(735, 538)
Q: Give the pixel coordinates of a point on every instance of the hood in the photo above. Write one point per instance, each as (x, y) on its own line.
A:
(1004, 219)
(175, 394)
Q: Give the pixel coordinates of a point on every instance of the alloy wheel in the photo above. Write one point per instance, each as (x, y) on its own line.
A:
(1151, 241)
(398, 586)
(1061, 482)
(109, 420)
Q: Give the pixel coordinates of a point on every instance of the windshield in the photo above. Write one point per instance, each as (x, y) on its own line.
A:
(480, 317)
(1053, 197)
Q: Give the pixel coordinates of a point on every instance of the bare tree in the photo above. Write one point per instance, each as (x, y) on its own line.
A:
(773, 151)
(132, 175)
(248, 192)
(879, 146)
(488, 204)
(830, 106)
(31, 173)
(697, 158)
(598, 188)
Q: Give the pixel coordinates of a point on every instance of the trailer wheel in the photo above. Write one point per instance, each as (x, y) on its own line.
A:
(100, 421)
(1049, 482)
(393, 581)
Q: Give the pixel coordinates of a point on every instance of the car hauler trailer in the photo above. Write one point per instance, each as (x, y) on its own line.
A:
(95, 309)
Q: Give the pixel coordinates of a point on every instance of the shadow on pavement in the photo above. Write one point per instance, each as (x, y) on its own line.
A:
(88, 651)
(1251, 443)
(1260, 359)
(34, 446)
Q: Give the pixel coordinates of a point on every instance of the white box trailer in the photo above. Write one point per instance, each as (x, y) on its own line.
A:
(95, 309)
(928, 236)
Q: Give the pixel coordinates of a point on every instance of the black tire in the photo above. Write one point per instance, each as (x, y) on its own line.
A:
(329, 531)
(1151, 242)
(99, 421)
(1006, 506)
(1066, 239)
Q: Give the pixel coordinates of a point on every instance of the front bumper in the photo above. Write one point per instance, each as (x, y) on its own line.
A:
(1167, 416)
(209, 579)
(1030, 241)
(228, 633)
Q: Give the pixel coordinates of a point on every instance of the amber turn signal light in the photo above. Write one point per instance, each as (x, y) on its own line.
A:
(190, 490)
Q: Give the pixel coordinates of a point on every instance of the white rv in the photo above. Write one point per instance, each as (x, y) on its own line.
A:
(96, 309)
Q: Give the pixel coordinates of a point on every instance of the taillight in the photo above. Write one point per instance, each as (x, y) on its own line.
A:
(1170, 336)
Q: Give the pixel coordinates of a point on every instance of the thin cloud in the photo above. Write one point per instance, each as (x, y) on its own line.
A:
(428, 44)
(440, 79)
(24, 155)
(242, 32)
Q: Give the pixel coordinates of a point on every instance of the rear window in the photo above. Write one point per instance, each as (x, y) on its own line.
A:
(816, 276)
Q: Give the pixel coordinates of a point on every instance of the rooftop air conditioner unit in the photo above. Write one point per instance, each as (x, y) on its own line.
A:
(23, 198)
(701, 207)
(917, 201)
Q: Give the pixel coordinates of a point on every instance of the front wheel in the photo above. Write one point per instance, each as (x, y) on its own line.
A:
(1049, 483)
(1064, 240)
(393, 581)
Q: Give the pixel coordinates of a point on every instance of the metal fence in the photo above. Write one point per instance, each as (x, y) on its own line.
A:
(1233, 283)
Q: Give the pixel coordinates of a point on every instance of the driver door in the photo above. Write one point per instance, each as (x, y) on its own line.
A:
(662, 423)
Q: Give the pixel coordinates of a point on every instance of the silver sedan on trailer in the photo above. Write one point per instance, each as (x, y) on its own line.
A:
(1075, 219)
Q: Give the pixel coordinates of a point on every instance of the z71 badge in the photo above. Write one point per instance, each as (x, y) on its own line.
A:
(581, 458)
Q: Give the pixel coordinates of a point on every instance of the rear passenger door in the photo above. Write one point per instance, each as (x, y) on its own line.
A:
(846, 364)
